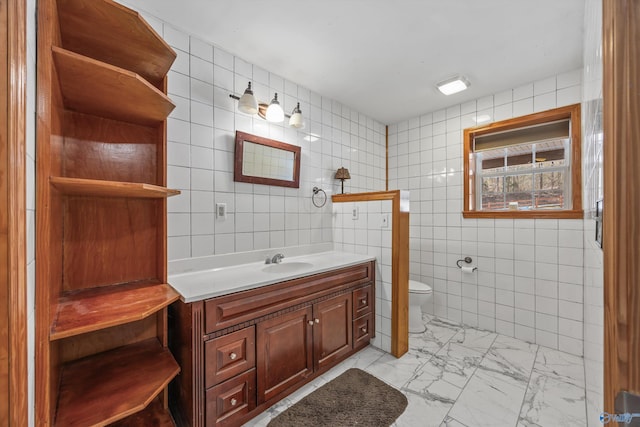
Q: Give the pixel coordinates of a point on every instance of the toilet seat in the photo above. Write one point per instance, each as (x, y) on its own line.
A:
(419, 287)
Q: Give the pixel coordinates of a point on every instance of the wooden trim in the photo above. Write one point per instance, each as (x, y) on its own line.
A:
(386, 157)
(238, 174)
(46, 378)
(365, 197)
(567, 112)
(400, 284)
(17, 262)
(572, 214)
(399, 264)
(621, 232)
(571, 112)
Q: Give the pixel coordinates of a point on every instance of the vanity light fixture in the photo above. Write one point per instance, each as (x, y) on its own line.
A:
(272, 112)
(453, 85)
(342, 174)
(247, 102)
(296, 120)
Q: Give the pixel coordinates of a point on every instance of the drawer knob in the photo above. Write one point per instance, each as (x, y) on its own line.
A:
(317, 320)
(363, 301)
(233, 356)
(233, 402)
(311, 322)
(364, 330)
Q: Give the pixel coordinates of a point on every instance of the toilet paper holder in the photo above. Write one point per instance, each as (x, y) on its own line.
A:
(468, 260)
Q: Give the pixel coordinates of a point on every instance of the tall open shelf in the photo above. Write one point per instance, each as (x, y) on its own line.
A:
(101, 278)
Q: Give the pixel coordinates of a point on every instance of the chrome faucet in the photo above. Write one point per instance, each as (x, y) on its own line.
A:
(277, 259)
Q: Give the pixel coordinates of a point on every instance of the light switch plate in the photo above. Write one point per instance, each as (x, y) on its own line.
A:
(221, 210)
(355, 213)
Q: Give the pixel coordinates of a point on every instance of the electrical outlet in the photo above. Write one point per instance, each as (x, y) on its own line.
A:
(384, 220)
(355, 213)
(221, 210)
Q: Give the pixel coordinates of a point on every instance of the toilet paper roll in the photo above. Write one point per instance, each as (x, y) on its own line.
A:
(467, 269)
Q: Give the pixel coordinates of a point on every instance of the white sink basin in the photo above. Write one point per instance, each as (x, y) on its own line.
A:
(287, 267)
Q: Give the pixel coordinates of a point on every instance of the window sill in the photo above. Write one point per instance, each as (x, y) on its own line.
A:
(573, 214)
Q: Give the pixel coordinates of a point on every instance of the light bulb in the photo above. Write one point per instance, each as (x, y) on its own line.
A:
(274, 112)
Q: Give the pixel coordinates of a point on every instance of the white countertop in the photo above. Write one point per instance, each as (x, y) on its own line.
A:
(198, 285)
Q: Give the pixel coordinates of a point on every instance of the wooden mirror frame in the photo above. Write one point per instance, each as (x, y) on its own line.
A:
(238, 176)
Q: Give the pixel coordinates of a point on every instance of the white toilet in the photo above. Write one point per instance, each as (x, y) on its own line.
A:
(419, 294)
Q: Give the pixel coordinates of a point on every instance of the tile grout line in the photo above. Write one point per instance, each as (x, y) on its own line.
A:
(470, 376)
(528, 383)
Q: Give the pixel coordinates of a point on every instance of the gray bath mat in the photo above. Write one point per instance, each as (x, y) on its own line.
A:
(355, 398)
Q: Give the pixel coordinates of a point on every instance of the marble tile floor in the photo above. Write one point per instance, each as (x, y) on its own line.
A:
(455, 376)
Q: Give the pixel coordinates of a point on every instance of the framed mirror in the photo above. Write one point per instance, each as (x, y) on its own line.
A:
(265, 161)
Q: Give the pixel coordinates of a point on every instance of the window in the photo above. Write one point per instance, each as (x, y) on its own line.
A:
(527, 167)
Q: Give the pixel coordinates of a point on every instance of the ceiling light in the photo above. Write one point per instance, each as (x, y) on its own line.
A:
(248, 103)
(453, 85)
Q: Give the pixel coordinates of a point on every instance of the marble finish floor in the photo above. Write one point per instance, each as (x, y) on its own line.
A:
(456, 376)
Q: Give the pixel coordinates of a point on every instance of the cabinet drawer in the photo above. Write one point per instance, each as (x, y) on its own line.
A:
(362, 301)
(229, 310)
(362, 331)
(231, 400)
(229, 355)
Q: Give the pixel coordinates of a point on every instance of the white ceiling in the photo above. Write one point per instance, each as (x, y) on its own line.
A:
(382, 57)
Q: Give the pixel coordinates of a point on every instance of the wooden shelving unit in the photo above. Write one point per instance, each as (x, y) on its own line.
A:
(100, 89)
(105, 388)
(152, 415)
(100, 188)
(98, 308)
(140, 49)
(101, 282)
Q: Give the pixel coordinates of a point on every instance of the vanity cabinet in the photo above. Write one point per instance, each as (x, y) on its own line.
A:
(241, 353)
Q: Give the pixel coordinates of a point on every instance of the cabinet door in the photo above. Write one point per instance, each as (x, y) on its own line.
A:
(332, 334)
(284, 352)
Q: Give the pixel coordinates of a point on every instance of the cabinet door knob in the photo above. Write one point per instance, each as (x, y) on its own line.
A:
(317, 320)
(311, 322)
(233, 356)
(233, 402)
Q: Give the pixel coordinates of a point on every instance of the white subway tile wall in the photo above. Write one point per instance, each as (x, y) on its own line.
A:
(200, 144)
(593, 324)
(523, 287)
(366, 234)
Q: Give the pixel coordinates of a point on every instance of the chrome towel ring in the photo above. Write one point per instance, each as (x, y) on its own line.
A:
(319, 200)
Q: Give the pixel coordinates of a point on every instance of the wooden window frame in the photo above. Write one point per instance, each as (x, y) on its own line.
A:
(571, 112)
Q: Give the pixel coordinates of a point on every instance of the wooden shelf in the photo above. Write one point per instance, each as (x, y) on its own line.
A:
(111, 33)
(99, 188)
(153, 415)
(110, 386)
(97, 308)
(97, 88)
